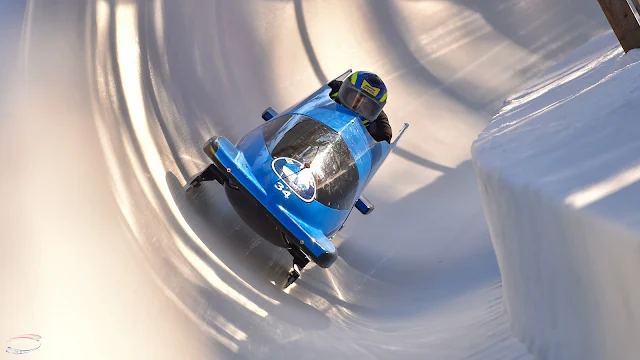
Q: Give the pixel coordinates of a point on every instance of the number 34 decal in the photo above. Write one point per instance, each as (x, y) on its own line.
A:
(280, 187)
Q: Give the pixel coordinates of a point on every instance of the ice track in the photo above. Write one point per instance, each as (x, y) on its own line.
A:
(105, 106)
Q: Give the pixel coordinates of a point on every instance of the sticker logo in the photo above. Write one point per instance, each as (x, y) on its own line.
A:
(296, 176)
(370, 88)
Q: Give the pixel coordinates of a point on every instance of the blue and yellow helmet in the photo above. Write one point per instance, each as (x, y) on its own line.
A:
(365, 93)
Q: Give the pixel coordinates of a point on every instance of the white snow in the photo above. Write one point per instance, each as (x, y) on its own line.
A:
(630, 58)
(559, 173)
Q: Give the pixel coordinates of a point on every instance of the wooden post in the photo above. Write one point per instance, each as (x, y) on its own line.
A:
(636, 3)
(623, 22)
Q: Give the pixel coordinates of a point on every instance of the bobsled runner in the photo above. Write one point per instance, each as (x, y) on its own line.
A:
(296, 178)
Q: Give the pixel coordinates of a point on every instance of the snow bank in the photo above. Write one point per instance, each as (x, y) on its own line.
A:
(559, 174)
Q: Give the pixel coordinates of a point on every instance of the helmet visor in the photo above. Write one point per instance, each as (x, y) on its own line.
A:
(359, 101)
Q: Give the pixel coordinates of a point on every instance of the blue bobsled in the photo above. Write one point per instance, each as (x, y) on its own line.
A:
(296, 178)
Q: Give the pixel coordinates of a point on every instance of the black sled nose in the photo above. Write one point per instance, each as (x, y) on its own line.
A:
(327, 259)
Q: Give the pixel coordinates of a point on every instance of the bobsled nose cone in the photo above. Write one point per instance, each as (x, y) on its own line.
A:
(327, 259)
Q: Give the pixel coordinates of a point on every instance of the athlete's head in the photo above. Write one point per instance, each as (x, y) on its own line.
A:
(365, 93)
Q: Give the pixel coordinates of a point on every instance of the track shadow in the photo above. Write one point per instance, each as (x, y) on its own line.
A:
(306, 42)
(385, 12)
(418, 160)
(409, 250)
(548, 34)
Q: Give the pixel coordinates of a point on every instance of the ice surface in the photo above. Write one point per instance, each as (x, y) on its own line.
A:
(559, 170)
(106, 106)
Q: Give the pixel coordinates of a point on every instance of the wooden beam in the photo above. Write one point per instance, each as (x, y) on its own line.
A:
(623, 22)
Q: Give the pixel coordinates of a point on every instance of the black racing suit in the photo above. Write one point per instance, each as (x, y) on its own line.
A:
(379, 129)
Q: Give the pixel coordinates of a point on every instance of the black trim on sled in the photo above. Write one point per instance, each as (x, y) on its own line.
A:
(260, 220)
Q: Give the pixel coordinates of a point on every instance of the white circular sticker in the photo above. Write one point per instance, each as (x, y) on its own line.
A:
(296, 176)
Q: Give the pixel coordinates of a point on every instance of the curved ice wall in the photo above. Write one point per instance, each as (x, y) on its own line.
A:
(559, 174)
(106, 105)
